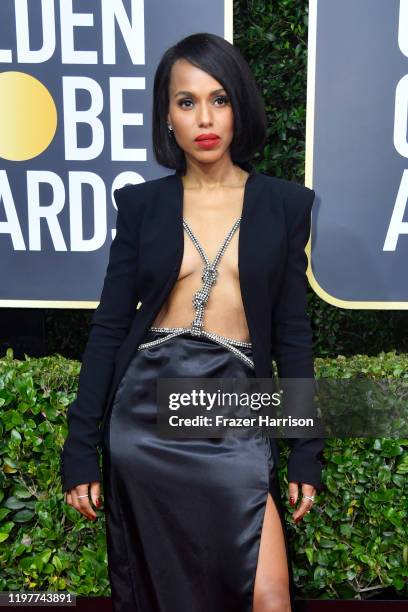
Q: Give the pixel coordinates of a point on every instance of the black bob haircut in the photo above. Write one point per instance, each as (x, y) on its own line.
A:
(224, 63)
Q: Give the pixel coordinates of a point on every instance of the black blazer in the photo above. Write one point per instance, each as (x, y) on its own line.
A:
(144, 261)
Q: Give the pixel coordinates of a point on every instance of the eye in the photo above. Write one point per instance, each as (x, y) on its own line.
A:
(224, 99)
(181, 102)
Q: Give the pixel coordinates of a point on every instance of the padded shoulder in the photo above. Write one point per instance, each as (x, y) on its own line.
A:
(298, 199)
(132, 198)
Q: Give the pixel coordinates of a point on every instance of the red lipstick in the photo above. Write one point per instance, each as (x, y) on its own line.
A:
(207, 141)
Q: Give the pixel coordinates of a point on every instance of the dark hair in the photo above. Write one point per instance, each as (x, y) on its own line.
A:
(225, 63)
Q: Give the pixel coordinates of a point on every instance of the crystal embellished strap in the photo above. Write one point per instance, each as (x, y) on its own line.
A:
(229, 343)
(220, 250)
(233, 341)
(208, 277)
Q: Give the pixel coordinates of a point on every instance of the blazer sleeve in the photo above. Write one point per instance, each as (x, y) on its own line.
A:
(79, 457)
(292, 333)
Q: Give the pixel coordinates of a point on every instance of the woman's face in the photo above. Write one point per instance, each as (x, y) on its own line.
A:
(199, 105)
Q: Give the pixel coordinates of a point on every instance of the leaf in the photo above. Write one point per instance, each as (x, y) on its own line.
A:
(23, 516)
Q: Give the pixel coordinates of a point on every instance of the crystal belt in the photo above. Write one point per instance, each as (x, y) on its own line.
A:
(229, 343)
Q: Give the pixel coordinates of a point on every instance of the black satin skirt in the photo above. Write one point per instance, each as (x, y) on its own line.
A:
(183, 516)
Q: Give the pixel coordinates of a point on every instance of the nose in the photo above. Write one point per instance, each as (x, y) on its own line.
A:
(204, 115)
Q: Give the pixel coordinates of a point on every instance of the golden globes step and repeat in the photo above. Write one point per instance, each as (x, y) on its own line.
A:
(357, 151)
(76, 82)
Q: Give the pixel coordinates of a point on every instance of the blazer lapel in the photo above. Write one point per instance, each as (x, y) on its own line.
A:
(254, 261)
(161, 239)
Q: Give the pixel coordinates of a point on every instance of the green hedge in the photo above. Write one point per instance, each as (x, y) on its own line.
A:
(355, 539)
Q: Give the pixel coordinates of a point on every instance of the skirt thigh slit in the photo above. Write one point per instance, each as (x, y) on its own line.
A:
(259, 532)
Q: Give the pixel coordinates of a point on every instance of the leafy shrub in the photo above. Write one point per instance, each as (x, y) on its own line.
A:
(353, 541)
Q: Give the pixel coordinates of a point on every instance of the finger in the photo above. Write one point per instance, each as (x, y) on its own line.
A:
(308, 489)
(305, 505)
(293, 493)
(82, 504)
(95, 490)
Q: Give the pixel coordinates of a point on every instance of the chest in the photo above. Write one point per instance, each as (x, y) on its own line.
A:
(255, 253)
(214, 244)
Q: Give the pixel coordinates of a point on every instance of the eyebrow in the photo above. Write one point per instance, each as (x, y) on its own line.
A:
(189, 93)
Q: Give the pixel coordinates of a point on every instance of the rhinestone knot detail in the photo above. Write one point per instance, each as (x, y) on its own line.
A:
(209, 275)
(201, 296)
(200, 299)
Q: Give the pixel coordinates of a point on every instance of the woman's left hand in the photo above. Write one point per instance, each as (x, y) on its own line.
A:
(305, 504)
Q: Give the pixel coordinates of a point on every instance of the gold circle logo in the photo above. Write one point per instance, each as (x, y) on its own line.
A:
(28, 116)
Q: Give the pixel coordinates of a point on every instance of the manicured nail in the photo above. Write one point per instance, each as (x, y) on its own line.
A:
(292, 501)
(98, 502)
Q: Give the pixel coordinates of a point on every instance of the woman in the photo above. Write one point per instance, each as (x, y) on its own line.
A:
(206, 278)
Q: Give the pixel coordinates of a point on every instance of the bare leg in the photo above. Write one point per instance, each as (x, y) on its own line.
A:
(271, 590)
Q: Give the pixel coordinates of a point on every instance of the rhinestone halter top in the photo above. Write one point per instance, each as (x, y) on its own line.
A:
(200, 299)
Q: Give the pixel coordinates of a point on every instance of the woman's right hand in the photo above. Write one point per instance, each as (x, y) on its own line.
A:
(82, 504)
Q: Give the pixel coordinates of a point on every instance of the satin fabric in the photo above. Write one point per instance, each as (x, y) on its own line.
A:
(183, 516)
